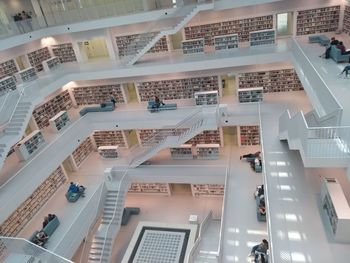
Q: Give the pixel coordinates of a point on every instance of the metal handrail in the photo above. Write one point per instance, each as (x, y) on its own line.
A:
(21, 93)
(200, 231)
(266, 192)
(39, 248)
(123, 179)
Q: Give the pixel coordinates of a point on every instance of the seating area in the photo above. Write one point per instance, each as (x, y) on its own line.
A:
(321, 39)
(153, 108)
(48, 230)
(107, 106)
(336, 55)
(73, 195)
(127, 213)
(254, 159)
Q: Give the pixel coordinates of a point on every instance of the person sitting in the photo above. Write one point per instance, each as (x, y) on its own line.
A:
(158, 102)
(262, 208)
(113, 100)
(259, 191)
(40, 238)
(73, 188)
(260, 248)
(51, 217)
(342, 48)
(46, 221)
(346, 70)
(333, 42)
(250, 155)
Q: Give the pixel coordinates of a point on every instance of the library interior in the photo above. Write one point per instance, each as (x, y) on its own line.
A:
(174, 131)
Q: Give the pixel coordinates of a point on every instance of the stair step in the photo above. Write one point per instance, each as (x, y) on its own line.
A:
(100, 243)
(97, 259)
(11, 133)
(100, 246)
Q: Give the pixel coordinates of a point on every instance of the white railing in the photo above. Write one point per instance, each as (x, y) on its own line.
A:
(70, 242)
(320, 95)
(266, 192)
(85, 250)
(8, 107)
(203, 226)
(114, 224)
(223, 219)
(315, 142)
(55, 16)
(18, 247)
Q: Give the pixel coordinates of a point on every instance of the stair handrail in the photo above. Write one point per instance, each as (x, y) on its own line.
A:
(266, 194)
(97, 212)
(163, 134)
(123, 180)
(21, 93)
(153, 28)
(37, 251)
(202, 226)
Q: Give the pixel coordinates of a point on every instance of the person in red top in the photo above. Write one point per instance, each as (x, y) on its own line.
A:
(342, 48)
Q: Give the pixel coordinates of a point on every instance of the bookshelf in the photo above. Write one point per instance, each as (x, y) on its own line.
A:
(82, 152)
(176, 88)
(248, 135)
(150, 188)
(111, 138)
(226, 42)
(241, 27)
(346, 20)
(59, 121)
(108, 152)
(28, 146)
(8, 68)
(51, 63)
(182, 152)
(262, 37)
(208, 190)
(145, 135)
(37, 57)
(26, 75)
(7, 84)
(208, 151)
(98, 94)
(64, 52)
(28, 209)
(250, 95)
(43, 113)
(336, 208)
(193, 46)
(206, 137)
(139, 41)
(206, 97)
(280, 80)
(318, 20)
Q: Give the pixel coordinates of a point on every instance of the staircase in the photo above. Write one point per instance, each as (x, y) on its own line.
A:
(14, 129)
(318, 146)
(172, 138)
(144, 44)
(102, 242)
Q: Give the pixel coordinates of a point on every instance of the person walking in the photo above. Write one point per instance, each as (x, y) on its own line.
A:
(346, 70)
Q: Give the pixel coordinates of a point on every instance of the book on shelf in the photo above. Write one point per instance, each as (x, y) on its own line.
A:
(249, 95)
(64, 52)
(150, 188)
(241, 27)
(8, 68)
(209, 190)
(37, 57)
(29, 145)
(108, 151)
(262, 37)
(208, 151)
(318, 20)
(226, 42)
(18, 219)
(183, 151)
(193, 46)
(248, 135)
(7, 84)
(59, 121)
(83, 151)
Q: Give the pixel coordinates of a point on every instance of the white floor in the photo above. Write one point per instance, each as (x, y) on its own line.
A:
(328, 70)
(298, 232)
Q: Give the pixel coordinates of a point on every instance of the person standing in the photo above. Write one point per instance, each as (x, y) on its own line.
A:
(28, 20)
(346, 70)
(112, 99)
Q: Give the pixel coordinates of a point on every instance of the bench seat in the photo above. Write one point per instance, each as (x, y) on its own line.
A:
(108, 106)
(169, 106)
(321, 39)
